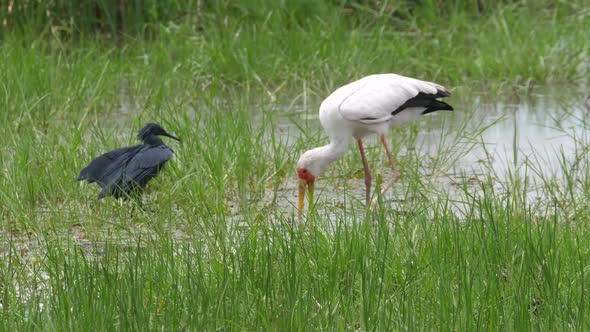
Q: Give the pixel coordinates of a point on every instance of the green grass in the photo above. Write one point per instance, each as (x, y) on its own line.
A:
(219, 245)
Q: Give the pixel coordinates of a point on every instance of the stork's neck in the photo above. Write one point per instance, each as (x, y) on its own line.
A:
(335, 150)
(321, 157)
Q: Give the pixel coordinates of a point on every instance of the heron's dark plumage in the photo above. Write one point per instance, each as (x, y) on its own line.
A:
(120, 172)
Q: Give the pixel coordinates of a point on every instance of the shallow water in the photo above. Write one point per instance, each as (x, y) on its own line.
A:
(512, 141)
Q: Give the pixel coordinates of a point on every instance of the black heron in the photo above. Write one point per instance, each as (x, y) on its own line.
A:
(127, 170)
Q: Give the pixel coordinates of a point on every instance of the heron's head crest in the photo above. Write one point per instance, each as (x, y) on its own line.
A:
(150, 131)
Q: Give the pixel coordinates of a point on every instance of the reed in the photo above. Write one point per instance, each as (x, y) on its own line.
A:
(219, 245)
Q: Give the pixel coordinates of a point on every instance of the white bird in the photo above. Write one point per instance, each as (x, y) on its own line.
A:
(368, 106)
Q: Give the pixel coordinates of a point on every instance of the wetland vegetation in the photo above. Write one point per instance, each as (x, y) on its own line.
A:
(487, 229)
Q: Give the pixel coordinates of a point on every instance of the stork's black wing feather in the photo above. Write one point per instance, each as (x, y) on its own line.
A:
(428, 101)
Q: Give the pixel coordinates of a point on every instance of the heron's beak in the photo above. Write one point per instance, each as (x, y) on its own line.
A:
(302, 184)
(171, 136)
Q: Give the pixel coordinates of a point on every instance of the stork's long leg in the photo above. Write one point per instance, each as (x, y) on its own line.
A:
(396, 174)
(367, 173)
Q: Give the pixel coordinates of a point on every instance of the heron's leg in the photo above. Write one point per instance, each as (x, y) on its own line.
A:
(367, 173)
(135, 195)
(396, 174)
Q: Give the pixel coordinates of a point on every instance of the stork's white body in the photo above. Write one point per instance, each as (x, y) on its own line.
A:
(370, 105)
(364, 107)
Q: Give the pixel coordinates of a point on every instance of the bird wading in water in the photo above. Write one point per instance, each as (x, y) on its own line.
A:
(368, 106)
(125, 172)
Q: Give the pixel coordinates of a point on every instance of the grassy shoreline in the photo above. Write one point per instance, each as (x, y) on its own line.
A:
(515, 44)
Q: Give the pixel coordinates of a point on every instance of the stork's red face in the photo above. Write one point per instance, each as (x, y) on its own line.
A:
(305, 179)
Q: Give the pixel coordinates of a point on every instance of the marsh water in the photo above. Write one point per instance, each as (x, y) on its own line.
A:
(514, 142)
(524, 144)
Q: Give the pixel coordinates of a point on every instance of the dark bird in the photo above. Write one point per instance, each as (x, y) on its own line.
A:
(126, 171)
